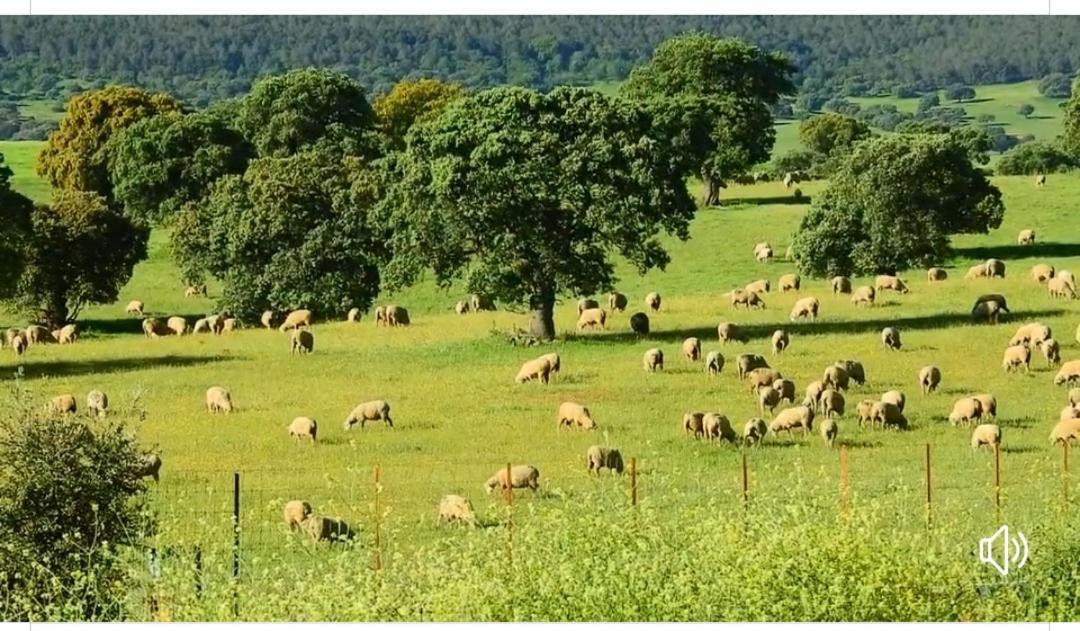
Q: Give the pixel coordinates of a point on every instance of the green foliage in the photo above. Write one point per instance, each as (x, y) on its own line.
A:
(1026, 110)
(1036, 157)
(892, 206)
(1056, 86)
(412, 101)
(928, 102)
(959, 92)
(842, 106)
(77, 154)
(1070, 136)
(831, 137)
(15, 212)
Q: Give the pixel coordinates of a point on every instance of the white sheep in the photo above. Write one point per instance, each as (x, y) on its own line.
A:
(754, 431)
(377, 410)
(653, 360)
(296, 319)
(714, 363)
(574, 415)
(97, 402)
(929, 378)
(691, 349)
(780, 341)
(135, 307)
(295, 512)
(538, 369)
(521, 476)
(598, 457)
(829, 429)
(218, 399)
(455, 508)
(303, 427)
(986, 434)
(301, 341)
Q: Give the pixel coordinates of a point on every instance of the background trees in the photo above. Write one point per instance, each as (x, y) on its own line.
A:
(1070, 136)
(409, 102)
(959, 92)
(831, 137)
(1056, 86)
(1025, 110)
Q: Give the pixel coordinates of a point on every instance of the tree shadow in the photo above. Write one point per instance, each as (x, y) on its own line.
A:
(1021, 449)
(1013, 252)
(764, 201)
(107, 366)
(130, 324)
(859, 444)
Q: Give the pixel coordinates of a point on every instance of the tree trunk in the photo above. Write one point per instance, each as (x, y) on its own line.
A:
(53, 313)
(541, 317)
(712, 191)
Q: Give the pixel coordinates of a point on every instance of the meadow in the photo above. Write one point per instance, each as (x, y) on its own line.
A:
(796, 549)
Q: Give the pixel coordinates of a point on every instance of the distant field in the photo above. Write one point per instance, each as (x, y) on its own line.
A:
(19, 155)
(40, 109)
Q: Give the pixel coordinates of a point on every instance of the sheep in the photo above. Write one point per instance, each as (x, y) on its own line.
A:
(758, 287)
(1031, 333)
(1042, 272)
(135, 307)
(202, 325)
(1068, 276)
(929, 379)
(377, 410)
(218, 399)
(888, 415)
(585, 304)
(574, 415)
(832, 403)
(230, 324)
(481, 303)
(296, 319)
(936, 274)
(965, 410)
(97, 403)
(694, 423)
(890, 337)
(1069, 373)
(780, 341)
(328, 529)
(863, 296)
(1068, 413)
(1074, 397)
(150, 467)
(1059, 287)
(1016, 356)
(639, 323)
(805, 308)
(789, 179)
(841, 285)
(653, 360)
(768, 397)
(813, 395)
(295, 512)
(301, 341)
(865, 410)
(353, 315)
(1051, 351)
(995, 268)
(36, 334)
(748, 299)
(598, 457)
(763, 252)
(617, 301)
(792, 418)
(303, 427)
(986, 434)
(152, 328)
(891, 283)
(977, 271)
(63, 404)
(1026, 237)
(555, 362)
(11, 334)
(216, 322)
(988, 312)
(895, 397)
(1066, 431)
(717, 426)
(988, 403)
(854, 369)
(790, 282)
(829, 429)
(714, 363)
(538, 369)
(1040, 180)
(177, 325)
(786, 388)
(836, 377)
(730, 332)
(754, 431)
(691, 349)
(521, 476)
(18, 344)
(267, 319)
(455, 508)
(592, 318)
(762, 377)
(652, 301)
(749, 361)
(195, 290)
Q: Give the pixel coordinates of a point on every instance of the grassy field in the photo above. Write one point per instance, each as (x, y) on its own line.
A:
(690, 550)
(19, 156)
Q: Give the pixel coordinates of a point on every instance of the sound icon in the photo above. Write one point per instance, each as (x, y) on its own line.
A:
(1000, 551)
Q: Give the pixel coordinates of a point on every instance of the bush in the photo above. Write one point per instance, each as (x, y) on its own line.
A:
(1056, 86)
(905, 91)
(959, 92)
(1035, 157)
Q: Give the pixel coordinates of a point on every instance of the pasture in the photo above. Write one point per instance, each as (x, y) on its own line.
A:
(795, 550)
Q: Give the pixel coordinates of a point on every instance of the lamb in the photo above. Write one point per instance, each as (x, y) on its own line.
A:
(535, 369)
(730, 332)
(813, 395)
(747, 362)
(758, 287)
(895, 397)
(1059, 287)
(653, 360)
(836, 377)
(995, 268)
(888, 415)
(218, 399)
(780, 341)
(1066, 431)
(714, 363)
(377, 410)
(353, 315)
(295, 512)
(832, 403)
(986, 311)
(617, 301)
(768, 397)
(841, 285)
(652, 301)
(574, 415)
(793, 418)
(592, 318)
(890, 337)
(1016, 356)
(717, 426)
(929, 379)
(150, 467)
(790, 282)
(965, 410)
(301, 341)
(267, 319)
(63, 404)
(521, 476)
(863, 296)
(598, 457)
(854, 369)
(786, 388)
(97, 402)
(585, 304)
(694, 423)
(763, 252)
(829, 429)
(691, 348)
(865, 410)
(1051, 351)
(639, 323)
(1069, 373)
(481, 303)
(754, 431)
(303, 427)
(805, 308)
(296, 319)
(977, 271)
(135, 307)
(891, 283)
(936, 274)
(455, 508)
(1042, 272)
(328, 529)
(1026, 237)
(762, 377)
(986, 434)
(177, 325)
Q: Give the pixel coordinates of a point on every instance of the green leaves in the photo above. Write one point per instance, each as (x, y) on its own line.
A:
(1070, 137)
(831, 137)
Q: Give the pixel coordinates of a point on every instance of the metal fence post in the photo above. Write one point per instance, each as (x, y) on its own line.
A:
(236, 544)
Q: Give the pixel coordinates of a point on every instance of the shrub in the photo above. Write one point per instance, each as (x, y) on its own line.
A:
(1035, 157)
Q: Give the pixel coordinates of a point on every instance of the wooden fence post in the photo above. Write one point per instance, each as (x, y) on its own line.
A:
(929, 497)
(508, 491)
(997, 478)
(633, 482)
(236, 544)
(377, 560)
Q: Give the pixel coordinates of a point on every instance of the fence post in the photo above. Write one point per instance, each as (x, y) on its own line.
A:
(198, 567)
(633, 482)
(997, 478)
(928, 487)
(745, 482)
(377, 561)
(509, 496)
(1065, 474)
(236, 544)
(154, 565)
(843, 480)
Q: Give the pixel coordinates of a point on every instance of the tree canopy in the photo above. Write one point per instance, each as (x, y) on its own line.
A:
(1056, 86)
(409, 102)
(1070, 136)
(831, 137)
(15, 212)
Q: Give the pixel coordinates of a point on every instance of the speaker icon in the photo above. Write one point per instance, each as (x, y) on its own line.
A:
(1003, 552)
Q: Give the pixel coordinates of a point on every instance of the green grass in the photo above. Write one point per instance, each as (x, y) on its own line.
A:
(19, 156)
(41, 109)
(459, 416)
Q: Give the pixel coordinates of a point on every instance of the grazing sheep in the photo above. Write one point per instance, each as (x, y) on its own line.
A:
(730, 332)
(892, 283)
(841, 285)
(639, 323)
(195, 290)
(353, 315)
(177, 325)
(377, 410)
(585, 304)
(1068, 413)
(789, 180)
(965, 410)
(988, 403)
(617, 301)
(813, 395)
(768, 397)
(1040, 180)
(1059, 287)
(1074, 397)
(1016, 356)
(986, 312)
(1051, 351)
(763, 252)
(1031, 333)
(929, 379)
(218, 399)
(936, 274)
(758, 287)
(717, 426)
(1066, 431)
(574, 415)
(97, 402)
(986, 434)
(267, 319)
(135, 307)
(1026, 237)
(888, 415)
(836, 377)
(829, 429)
(714, 363)
(998, 298)
(977, 271)
(216, 322)
(790, 282)
(890, 337)
(328, 529)
(202, 325)
(694, 423)
(598, 457)
(652, 301)
(805, 308)
(295, 512)
(455, 508)
(63, 404)
(780, 341)
(303, 427)
(296, 319)
(397, 316)
(748, 362)
(865, 410)
(301, 341)
(481, 303)
(592, 318)
(754, 431)
(18, 344)
(995, 268)
(67, 334)
(1069, 373)
(748, 299)
(36, 334)
(691, 348)
(539, 369)
(1042, 272)
(11, 334)
(854, 369)
(521, 476)
(653, 360)
(150, 467)
(554, 361)
(1068, 276)
(787, 389)
(230, 324)
(832, 403)
(895, 397)
(792, 418)
(762, 377)
(863, 296)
